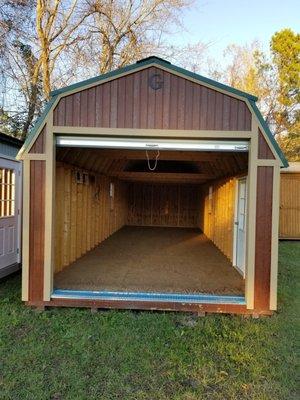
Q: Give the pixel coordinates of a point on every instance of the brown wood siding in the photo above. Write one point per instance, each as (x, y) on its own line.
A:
(264, 151)
(85, 215)
(172, 205)
(39, 144)
(217, 214)
(263, 241)
(36, 230)
(130, 102)
(289, 222)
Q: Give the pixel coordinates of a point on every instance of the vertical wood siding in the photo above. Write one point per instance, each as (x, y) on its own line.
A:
(85, 215)
(217, 214)
(289, 223)
(39, 144)
(36, 230)
(170, 205)
(263, 241)
(130, 102)
(264, 151)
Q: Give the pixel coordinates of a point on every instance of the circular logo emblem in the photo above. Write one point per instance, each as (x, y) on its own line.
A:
(156, 81)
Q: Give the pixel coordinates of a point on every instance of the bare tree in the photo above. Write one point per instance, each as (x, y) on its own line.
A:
(57, 27)
(122, 31)
(46, 44)
(21, 90)
(247, 68)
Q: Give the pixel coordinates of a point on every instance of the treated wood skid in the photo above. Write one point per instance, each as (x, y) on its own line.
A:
(151, 306)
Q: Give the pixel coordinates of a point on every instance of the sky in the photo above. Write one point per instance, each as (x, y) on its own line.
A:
(223, 22)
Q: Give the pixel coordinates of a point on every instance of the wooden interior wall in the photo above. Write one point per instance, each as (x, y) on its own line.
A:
(289, 222)
(174, 205)
(216, 218)
(130, 102)
(36, 230)
(85, 214)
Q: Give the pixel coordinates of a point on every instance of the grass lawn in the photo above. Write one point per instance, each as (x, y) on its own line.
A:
(74, 354)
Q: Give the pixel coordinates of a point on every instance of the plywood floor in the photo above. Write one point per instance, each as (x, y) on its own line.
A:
(153, 260)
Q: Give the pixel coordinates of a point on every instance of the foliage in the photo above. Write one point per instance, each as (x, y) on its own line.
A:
(285, 48)
(247, 69)
(274, 79)
(290, 144)
(11, 126)
(73, 354)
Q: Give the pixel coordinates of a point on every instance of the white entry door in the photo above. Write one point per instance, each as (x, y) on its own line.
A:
(240, 225)
(10, 186)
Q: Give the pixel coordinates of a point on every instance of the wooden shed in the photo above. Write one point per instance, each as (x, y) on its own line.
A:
(151, 187)
(10, 205)
(289, 221)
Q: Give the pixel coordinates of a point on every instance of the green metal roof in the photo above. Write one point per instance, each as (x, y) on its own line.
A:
(37, 125)
(269, 134)
(166, 64)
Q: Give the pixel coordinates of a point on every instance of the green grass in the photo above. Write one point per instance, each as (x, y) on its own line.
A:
(73, 354)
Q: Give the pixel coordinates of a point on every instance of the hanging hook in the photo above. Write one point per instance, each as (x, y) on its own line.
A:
(155, 162)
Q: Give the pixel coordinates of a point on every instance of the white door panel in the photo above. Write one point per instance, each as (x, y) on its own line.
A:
(9, 212)
(240, 226)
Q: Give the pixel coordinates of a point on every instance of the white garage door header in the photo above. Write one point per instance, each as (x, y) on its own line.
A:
(159, 144)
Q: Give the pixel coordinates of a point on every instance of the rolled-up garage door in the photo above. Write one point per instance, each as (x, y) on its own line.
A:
(144, 144)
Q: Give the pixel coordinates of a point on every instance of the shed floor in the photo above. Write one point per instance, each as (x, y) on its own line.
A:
(150, 259)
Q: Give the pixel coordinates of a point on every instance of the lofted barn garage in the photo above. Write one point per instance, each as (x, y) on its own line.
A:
(151, 187)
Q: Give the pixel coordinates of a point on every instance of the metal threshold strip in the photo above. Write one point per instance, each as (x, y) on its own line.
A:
(147, 296)
(152, 144)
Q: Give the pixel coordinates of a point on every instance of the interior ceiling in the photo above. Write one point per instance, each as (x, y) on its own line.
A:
(172, 166)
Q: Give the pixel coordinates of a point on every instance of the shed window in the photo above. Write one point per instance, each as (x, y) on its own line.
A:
(7, 192)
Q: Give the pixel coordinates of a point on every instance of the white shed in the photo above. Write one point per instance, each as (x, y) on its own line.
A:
(10, 205)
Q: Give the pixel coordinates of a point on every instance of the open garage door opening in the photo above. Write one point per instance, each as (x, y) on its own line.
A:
(153, 220)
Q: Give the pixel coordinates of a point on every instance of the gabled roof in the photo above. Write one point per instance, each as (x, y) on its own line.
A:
(155, 61)
(38, 123)
(268, 132)
(147, 62)
(13, 141)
